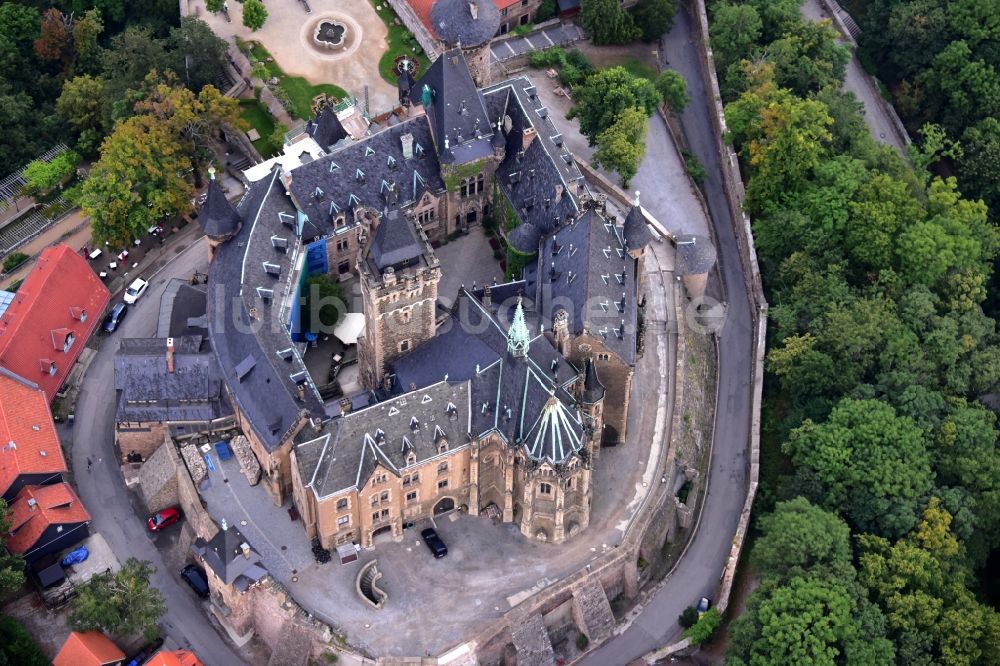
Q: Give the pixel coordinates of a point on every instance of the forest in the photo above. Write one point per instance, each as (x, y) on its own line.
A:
(879, 508)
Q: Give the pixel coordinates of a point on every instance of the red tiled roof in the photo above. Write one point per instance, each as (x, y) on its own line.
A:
(45, 313)
(174, 658)
(26, 421)
(422, 8)
(91, 648)
(54, 505)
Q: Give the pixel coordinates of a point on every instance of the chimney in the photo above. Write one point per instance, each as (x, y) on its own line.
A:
(302, 392)
(317, 425)
(245, 547)
(488, 296)
(32, 503)
(170, 355)
(559, 192)
(345, 406)
(407, 141)
(527, 136)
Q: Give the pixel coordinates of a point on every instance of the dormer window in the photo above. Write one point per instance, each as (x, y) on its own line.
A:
(411, 458)
(333, 166)
(272, 269)
(47, 366)
(266, 295)
(369, 151)
(443, 447)
(359, 175)
(391, 162)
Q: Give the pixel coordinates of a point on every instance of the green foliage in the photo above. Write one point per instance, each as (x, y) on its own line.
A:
(605, 22)
(572, 66)
(17, 646)
(688, 617)
(654, 17)
(605, 94)
(13, 260)
(582, 642)
(622, 145)
(693, 167)
(323, 304)
(121, 603)
(298, 93)
(214, 6)
(516, 261)
(401, 42)
(254, 14)
(84, 106)
(257, 116)
(197, 54)
(41, 176)
(702, 630)
(546, 9)
(673, 90)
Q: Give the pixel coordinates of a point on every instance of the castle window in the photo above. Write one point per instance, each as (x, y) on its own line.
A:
(406, 315)
(404, 346)
(410, 459)
(443, 483)
(442, 447)
(375, 517)
(545, 489)
(344, 520)
(385, 513)
(464, 191)
(443, 467)
(480, 184)
(411, 496)
(342, 504)
(342, 245)
(603, 357)
(384, 497)
(374, 500)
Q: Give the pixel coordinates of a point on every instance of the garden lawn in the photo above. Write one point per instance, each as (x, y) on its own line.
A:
(401, 41)
(298, 91)
(254, 113)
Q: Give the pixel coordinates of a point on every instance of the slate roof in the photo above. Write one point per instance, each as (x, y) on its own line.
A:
(508, 393)
(456, 111)
(61, 294)
(183, 309)
(586, 264)
(636, 230)
(217, 216)
(224, 554)
(257, 358)
(55, 504)
(593, 389)
(89, 648)
(194, 391)
(26, 421)
(695, 254)
(468, 23)
(394, 244)
(349, 448)
(361, 175)
(326, 129)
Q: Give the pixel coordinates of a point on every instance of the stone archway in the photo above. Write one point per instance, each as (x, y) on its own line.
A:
(444, 505)
(381, 533)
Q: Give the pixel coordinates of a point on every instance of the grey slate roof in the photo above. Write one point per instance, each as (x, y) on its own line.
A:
(325, 129)
(349, 448)
(586, 265)
(593, 389)
(183, 307)
(148, 392)
(468, 23)
(394, 243)
(637, 234)
(525, 238)
(217, 216)
(695, 254)
(456, 110)
(371, 173)
(224, 554)
(508, 394)
(263, 382)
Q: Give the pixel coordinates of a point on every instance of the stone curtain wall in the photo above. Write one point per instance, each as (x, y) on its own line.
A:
(748, 257)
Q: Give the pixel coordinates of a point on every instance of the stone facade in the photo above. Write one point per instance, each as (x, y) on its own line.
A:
(615, 374)
(517, 12)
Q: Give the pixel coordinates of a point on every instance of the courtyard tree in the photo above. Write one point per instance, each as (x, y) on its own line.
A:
(602, 97)
(254, 14)
(654, 17)
(121, 603)
(673, 90)
(605, 22)
(214, 6)
(622, 146)
(131, 56)
(323, 304)
(197, 53)
(138, 181)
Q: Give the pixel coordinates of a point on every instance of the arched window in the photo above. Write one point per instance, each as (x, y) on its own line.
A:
(545, 489)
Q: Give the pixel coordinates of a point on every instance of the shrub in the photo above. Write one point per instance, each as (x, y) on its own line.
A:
(13, 260)
(17, 646)
(582, 642)
(702, 630)
(40, 176)
(694, 168)
(688, 617)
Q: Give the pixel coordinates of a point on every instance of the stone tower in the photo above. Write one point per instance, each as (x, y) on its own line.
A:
(399, 284)
(469, 25)
(217, 216)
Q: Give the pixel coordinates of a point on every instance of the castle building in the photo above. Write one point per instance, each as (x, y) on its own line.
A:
(496, 405)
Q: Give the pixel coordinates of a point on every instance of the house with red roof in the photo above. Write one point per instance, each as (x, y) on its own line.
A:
(49, 320)
(90, 648)
(174, 658)
(30, 453)
(46, 520)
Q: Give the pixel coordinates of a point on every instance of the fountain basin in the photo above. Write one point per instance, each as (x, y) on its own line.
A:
(330, 34)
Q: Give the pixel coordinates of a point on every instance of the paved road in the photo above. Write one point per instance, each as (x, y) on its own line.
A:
(102, 490)
(699, 571)
(858, 81)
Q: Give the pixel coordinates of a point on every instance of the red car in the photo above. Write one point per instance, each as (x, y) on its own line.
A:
(163, 518)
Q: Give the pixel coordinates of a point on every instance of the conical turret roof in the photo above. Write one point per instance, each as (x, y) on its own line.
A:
(637, 233)
(217, 216)
(593, 389)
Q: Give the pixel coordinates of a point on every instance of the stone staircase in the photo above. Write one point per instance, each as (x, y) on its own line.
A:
(366, 585)
(592, 611)
(532, 642)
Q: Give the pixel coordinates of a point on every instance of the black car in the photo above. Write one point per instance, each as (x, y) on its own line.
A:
(115, 317)
(434, 542)
(194, 576)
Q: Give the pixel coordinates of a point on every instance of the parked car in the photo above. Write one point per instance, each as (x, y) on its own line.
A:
(115, 317)
(434, 542)
(703, 605)
(163, 518)
(194, 576)
(135, 290)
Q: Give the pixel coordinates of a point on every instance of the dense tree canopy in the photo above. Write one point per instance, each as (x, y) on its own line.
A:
(605, 22)
(122, 603)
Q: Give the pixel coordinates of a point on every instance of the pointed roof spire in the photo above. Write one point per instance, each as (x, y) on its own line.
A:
(217, 216)
(636, 202)
(518, 338)
(593, 389)
(637, 234)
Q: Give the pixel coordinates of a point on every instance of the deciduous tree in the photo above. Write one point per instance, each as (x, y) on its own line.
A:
(621, 146)
(673, 90)
(254, 14)
(654, 17)
(608, 92)
(119, 603)
(605, 22)
(56, 41)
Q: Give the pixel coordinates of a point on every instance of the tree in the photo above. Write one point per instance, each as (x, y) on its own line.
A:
(197, 53)
(323, 304)
(11, 566)
(621, 146)
(254, 14)
(809, 57)
(21, 140)
(673, 91)
(605, 94)
(43, 176)
(979, 165)
(214, 6)
(702, 630)
(56, 41)
(137, 182)
(84, 105)
(605, 22)
(874, 465)
(17, 646)
(132, 55)
(547, 9)
(799, 538)
(734, 31)
(86, 31)
(19, 27)
(654, 17)
(688, 617)
(121, 603)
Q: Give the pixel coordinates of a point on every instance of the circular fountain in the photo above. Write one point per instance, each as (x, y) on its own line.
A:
(330, 34)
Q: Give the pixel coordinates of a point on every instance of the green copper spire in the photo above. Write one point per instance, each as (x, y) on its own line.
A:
(518, 337)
